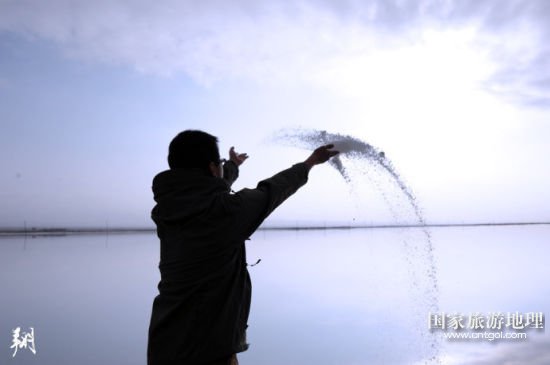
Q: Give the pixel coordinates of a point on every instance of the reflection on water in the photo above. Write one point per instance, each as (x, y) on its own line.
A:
(319, 297)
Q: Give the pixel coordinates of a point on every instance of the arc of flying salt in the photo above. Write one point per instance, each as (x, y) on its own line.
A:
(348, 146)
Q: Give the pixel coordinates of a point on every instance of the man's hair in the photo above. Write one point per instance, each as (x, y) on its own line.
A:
(193, 149)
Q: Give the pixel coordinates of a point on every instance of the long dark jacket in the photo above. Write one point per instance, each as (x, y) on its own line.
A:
(201, 312)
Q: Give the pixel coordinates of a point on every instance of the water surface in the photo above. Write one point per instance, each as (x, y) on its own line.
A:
(338, 297)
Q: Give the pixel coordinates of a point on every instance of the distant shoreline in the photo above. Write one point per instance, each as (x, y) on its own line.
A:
(41, 231)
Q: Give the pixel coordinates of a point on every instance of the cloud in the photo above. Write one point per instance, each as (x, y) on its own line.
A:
(265, 41)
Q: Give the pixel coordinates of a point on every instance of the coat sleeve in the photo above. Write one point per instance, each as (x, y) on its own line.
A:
(230, 172)
(250, 207)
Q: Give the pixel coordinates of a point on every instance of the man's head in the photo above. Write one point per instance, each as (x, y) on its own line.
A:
(195, 149)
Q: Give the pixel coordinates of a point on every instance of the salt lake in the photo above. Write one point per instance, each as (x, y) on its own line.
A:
(323, 297)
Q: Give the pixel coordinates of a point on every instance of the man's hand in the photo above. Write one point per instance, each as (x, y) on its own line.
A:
(320, 155)
(237, 158)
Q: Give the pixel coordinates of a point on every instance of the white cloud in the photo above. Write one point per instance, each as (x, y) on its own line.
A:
(213, 39)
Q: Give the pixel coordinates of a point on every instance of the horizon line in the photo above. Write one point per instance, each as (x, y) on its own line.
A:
(43, 231)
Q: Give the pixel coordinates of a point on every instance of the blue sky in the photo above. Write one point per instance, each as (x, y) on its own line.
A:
(456, 93)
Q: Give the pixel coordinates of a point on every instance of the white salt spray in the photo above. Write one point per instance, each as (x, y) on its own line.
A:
(418, 248)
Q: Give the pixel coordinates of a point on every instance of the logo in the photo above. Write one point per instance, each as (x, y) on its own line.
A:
(22, 340)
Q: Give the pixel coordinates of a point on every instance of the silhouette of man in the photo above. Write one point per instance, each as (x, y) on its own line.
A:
(200, 315)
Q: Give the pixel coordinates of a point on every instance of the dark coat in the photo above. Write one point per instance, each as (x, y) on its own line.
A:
(201, 312)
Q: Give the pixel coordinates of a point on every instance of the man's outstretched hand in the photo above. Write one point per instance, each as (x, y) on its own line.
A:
(237, 158)
(321, 155)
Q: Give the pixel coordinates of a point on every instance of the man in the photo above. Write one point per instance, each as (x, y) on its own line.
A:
(200, 315)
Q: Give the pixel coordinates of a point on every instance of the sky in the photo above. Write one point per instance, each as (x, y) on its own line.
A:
(456, 94)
